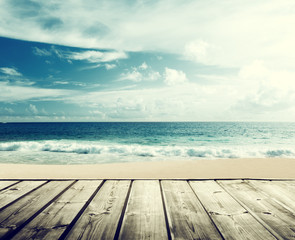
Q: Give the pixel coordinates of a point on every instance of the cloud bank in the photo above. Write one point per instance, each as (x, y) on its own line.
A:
(215, 32)
(170, 60)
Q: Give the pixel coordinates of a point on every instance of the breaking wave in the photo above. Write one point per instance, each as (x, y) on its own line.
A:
(146, 151)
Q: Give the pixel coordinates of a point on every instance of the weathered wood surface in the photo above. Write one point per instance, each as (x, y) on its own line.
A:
(281, 191)
(5, 184)
(52, 222)
(144, 217)
(270, 211)
(187, 217)
(15, 215)
(14, 192)
(233, 221)
(147, 209)
(101, 217)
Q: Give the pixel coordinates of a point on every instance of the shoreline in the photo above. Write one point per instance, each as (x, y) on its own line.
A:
(255, 168)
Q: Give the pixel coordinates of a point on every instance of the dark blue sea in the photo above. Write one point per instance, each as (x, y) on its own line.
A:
(88, 143)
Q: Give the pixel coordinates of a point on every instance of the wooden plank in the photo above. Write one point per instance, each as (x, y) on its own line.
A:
(281, 191)
(144, 217)
(14, 192)
(232, 220)
(17, 214)
(186, 216)
(52, 222)
(5, 184)
(276, 216)
(101, 217)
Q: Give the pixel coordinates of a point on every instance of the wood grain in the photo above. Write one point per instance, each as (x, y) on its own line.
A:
(101, 217)
(275, 215)
(281, 191)
(15, 215)
(147, 209)
(232, 220)
(144, 217)
(186, 216)
(16, 191)
(53, 221)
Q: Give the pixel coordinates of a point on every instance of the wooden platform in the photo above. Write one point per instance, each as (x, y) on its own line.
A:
(147, 209)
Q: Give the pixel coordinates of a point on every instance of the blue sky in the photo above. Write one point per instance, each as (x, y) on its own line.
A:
(147, 60)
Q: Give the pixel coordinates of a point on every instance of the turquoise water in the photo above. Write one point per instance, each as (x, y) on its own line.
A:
(85, 143)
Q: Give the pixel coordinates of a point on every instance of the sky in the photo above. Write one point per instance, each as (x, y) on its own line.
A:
(147, 60)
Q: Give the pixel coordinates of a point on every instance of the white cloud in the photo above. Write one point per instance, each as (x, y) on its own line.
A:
(258, 73)
(109, 66)
(91, 56)
(185, 102)
(57, 52)
(255, 71)
(143, 66)
(44, 112)
(257, 92)
(61, 82)
(98, 114)
(198, 51)
(52, 51)
(264, 101)
(131, 104)
(174, 77)
(250, 95)
(91, 67)
(141, 73)
(8, 110)
(33, 109)
(241, 31)
(134, 76)
(10, 93)
(97, 56)
(265, 91)
(212, 79)
(153, 76)
(10, 71)
(41, 52)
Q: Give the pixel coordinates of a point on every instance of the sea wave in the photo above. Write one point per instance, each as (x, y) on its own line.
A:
(148, 151)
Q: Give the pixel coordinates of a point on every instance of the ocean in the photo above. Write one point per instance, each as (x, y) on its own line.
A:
(94, 143)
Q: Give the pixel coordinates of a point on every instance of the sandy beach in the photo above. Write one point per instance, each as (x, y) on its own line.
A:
(267, 168)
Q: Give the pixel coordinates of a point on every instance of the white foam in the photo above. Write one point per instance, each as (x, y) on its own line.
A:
(109, 150)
